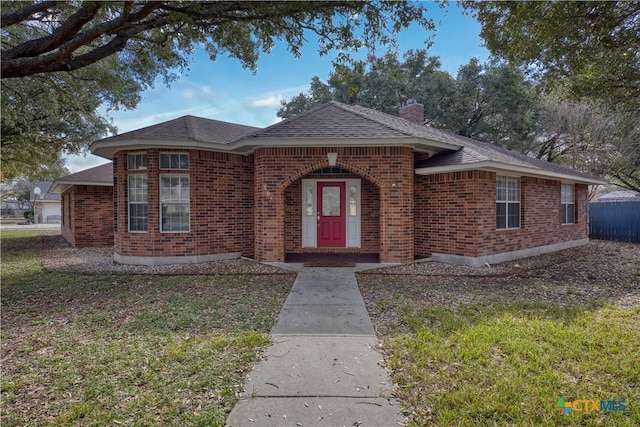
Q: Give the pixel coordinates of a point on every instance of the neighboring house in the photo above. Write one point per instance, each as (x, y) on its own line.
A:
(619, 196)
(46, 205)
(11, 208)
(87, 206)
(336, 179)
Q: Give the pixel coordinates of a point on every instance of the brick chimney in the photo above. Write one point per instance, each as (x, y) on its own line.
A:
(412, 111)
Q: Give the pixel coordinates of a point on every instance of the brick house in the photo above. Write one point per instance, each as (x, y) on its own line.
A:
(336, 179)
(87, 206)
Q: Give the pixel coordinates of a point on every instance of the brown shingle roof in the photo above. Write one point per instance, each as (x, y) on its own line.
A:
(331, 120)
(189, 128)
(340, 124)
(338, 120)
(99, 175)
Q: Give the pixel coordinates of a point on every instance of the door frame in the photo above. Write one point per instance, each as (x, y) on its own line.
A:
(309, 217)
(340, 219)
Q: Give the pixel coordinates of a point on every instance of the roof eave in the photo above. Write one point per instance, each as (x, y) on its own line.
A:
(494, 166)
(107, 149)
(60, 187)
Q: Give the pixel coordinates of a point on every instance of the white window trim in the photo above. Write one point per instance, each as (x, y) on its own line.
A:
(129, 203)
(161, 202)
(563, 203)
(507, 201)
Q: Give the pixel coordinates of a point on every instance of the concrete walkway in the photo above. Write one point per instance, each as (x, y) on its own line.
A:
(15, 226)
(323, 368)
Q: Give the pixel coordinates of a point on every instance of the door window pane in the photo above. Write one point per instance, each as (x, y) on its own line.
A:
(353, 201)
(309, 193)
(331, 201)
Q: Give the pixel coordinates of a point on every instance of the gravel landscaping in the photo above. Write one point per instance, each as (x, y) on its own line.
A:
(59, 256)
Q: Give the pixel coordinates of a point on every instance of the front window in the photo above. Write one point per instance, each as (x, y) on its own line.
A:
(568, 204)
(136, 161)
(174, 203)
(174, 161)
(138, 207)
(507, 202)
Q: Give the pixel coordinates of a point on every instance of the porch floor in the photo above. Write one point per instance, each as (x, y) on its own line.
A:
(328, 257)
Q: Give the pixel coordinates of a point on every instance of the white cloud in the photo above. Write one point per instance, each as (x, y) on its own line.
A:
(202, 93)
(267, 101)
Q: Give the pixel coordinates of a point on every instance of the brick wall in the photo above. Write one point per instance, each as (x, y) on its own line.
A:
(369, 223)
(221, 207)
(455, 214)
(389, 169)
(87, 216)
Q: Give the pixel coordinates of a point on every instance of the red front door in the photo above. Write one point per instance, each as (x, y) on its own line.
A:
(331, 215)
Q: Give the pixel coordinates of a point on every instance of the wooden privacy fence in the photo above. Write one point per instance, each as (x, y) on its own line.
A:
(615, 221)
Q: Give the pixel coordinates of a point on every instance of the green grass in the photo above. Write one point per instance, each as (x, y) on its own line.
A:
(509, 364)
(126, 349)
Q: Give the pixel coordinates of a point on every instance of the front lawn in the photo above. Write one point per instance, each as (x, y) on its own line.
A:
(502, 348)
(97, 349)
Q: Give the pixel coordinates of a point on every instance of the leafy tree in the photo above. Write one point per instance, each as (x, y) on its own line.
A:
(18, 192)
(494, 103)
(45, 116)
(591, 137)
(62, 60)
(154, 37)
(319, 93)
(592, 47)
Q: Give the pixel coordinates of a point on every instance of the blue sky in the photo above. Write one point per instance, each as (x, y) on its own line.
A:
(223, 90)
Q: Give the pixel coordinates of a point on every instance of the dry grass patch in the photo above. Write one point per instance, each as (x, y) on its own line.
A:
(96, 349)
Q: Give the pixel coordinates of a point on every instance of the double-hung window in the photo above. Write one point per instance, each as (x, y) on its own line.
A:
(137, 185)
(507, 202)
(174, 193)
(136, 161)
(567, 203)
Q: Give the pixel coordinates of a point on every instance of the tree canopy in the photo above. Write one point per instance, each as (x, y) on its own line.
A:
(63, 60)
(493, 103)
(155, 37)
(592, 48)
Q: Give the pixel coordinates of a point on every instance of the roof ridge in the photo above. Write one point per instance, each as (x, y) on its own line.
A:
(287, 120)
(353, 109)
(190, 127)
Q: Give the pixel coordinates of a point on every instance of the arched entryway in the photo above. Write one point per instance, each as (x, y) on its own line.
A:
(388, 170)
(332, 213)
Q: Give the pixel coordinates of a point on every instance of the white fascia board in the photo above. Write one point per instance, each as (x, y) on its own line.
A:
(512, 169)
(60, 187)
(107, 149)
(417, 143)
